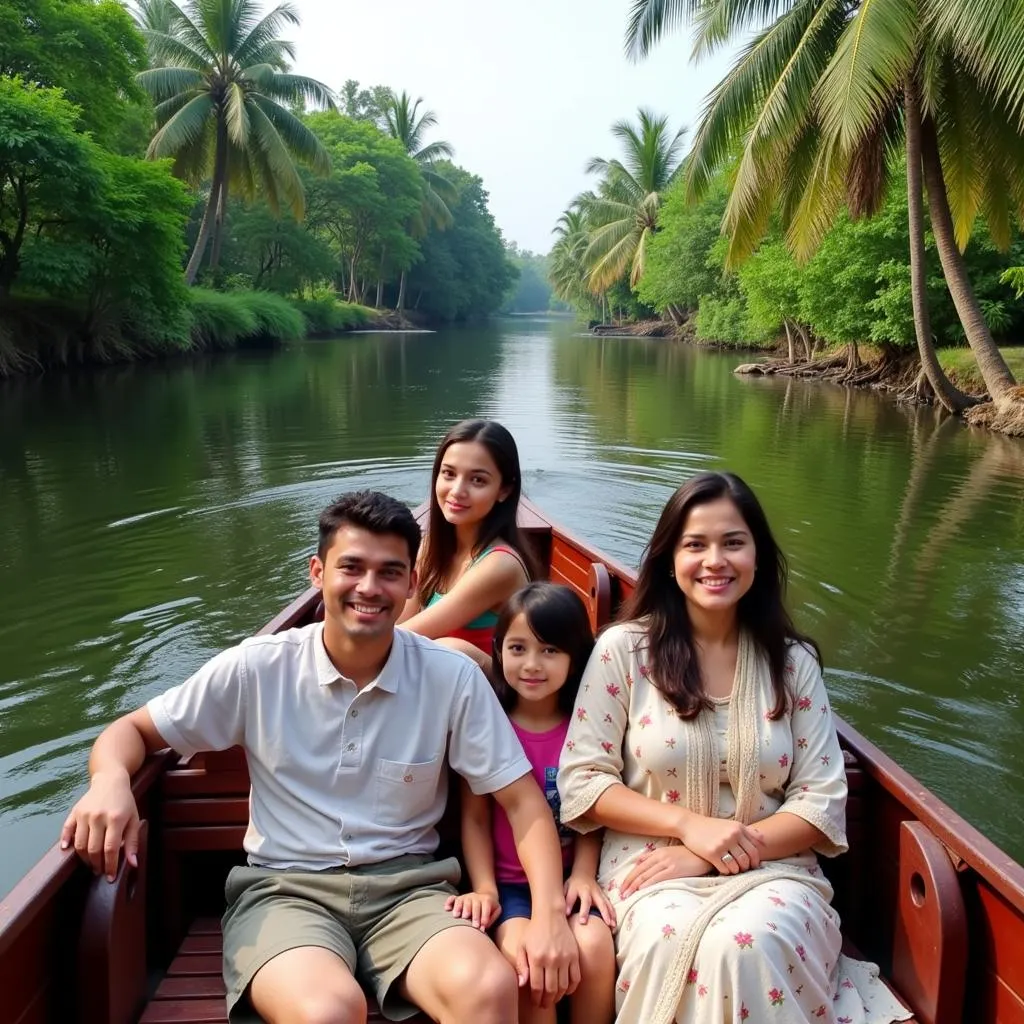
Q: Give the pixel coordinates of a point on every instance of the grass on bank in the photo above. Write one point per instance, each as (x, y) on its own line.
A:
(37, 333)
(962, 369)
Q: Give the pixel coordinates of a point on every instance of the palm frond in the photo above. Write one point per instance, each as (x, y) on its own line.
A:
(989, 37)
(163, 83)
(295, 135)
(236, 116)
(720, 21)
(165, 48)
(275, 153)
(264, 31)
(182, 129)
(649, 20)
(290, 88)
(434, 151)
(873, 57)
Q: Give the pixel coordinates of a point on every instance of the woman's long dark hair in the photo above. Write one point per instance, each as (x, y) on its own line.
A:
(761, 611)
(499, 523)
(556, 616)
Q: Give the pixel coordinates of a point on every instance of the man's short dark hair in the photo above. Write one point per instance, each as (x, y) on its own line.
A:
(373, 511)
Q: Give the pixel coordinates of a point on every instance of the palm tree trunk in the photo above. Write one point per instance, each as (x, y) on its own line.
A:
(949, 397)
(220, 162)
(401, 293)
(789, 342)
(994, 371)
(218, 226)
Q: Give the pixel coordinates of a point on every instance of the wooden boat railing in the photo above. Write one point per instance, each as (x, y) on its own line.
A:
(923, 893)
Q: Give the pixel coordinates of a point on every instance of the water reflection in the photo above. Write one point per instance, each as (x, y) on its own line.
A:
(152, 515)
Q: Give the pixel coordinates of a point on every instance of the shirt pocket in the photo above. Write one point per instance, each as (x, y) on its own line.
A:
(405, 790)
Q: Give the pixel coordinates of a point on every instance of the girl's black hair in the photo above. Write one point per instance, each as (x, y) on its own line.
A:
(499, 524)
(761, 611)
(556, 616)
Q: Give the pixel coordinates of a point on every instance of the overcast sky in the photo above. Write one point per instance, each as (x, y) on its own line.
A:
(524, 91)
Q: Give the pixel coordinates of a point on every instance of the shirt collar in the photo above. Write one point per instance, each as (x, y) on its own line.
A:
(327, 674)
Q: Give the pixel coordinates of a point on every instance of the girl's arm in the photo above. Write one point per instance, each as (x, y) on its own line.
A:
(481, 905)
(491, 582)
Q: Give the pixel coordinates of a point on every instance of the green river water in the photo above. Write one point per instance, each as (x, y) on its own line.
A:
(151, 515)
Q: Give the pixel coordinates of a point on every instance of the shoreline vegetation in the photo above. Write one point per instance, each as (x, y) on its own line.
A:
(853, 180)
(882, 368)
(170, 184)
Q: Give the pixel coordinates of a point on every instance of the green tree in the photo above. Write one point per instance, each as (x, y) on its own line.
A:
(812, 105)
(623, 215)
(47, 170)
(219, 88)
(90, 50)
(404, 123)
(678, 272)
(531, 290)
(274, 252)
(365, 203)
(365, 104)
(464, 273)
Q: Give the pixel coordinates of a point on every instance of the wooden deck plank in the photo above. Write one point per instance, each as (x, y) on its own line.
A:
(195, 964)
(191, 987)
(185, 1011)
(202, 944)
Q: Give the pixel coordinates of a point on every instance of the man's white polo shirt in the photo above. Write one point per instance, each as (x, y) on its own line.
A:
(342, 776)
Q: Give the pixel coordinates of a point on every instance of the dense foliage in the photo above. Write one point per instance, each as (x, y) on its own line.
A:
(332, 212)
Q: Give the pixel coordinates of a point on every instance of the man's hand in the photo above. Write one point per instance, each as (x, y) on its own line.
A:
(548, 959)
(104, 818)
(661, 864)
(482, 908)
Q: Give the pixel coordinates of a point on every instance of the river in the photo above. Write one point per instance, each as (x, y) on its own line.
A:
(151, 515)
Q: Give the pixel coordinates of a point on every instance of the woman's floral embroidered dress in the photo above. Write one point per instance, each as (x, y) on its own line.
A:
(762, 946)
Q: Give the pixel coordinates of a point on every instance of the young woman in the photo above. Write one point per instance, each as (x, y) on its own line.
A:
(541, 644)
(473, 558)
(703, 742)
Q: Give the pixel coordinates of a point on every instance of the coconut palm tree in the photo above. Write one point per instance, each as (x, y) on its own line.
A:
(568, 270)
(624, 213)
(408, 126)
(219, 80)
(812, 108)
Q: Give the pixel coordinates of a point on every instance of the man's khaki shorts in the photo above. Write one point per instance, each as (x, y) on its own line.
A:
(376, 918)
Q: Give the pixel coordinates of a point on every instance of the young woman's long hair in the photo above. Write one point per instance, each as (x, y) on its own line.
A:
(556, 616)
(659, 602)
(498, 525)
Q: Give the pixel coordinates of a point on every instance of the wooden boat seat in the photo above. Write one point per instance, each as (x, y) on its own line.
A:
(192, 991)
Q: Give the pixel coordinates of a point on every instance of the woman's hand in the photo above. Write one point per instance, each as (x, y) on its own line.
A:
(661, 864)
(482, 908)
(583, 889)
(727, 845)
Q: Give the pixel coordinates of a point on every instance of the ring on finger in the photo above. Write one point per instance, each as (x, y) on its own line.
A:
(726, 857)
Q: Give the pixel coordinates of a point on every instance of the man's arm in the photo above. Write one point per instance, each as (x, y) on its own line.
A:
(106, 815)
(549, 955)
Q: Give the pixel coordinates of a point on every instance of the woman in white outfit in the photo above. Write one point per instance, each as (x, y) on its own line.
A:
(702, 741)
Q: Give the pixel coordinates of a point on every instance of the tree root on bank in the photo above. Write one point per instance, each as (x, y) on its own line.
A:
(1006, 419)
(897, 373)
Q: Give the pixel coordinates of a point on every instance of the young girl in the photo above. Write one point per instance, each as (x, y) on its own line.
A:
(474, 558)
(541, 644)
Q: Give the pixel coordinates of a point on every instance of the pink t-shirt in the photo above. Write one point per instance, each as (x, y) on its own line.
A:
(542, 751)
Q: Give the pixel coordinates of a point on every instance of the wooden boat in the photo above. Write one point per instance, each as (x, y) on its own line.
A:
(921, 892)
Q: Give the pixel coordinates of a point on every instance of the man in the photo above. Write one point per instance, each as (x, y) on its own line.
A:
(346, 726)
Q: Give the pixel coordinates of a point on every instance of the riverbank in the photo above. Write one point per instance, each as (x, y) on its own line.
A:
(37, 335)
(896, 372)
